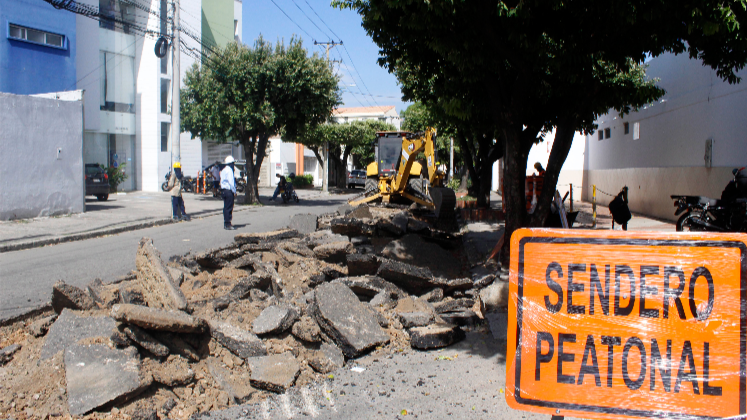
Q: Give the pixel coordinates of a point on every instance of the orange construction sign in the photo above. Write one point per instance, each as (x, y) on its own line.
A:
(611, 324)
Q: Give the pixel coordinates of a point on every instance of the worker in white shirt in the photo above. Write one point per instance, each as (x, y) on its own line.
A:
(228, 192)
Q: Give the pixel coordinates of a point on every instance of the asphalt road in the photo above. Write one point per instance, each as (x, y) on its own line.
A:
(26, 277)
(464, 381)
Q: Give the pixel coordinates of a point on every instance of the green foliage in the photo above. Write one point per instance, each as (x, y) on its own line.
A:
(244, 92)
(249, 94)
(454, 184)
(513, 71)
(116, 175)
(303, 180)
(357, 138)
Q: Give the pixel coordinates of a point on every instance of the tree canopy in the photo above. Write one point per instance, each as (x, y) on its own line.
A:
(250, 94)
(344, 139)
(524, 68)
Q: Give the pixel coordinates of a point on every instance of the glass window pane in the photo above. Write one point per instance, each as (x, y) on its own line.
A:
(164, 137)
(164, 96)
(165, 64)
(36, 36)
(16, 32)
(55, 40)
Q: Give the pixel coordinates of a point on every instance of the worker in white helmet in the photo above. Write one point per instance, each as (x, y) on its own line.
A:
(228, 192)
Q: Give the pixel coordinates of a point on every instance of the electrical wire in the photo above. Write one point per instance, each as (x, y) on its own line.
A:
(322, 20)
(312, 22)
(100, 65)
(359, 74)
(291, 19)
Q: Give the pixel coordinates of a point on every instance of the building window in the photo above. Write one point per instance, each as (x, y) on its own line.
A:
(116, 15)
(236, 27)
(165, 96)
(636, 131)
(164, 137)
(35, 36)
(607, 133)
(117, 78)
(626, 127)
(600, 135)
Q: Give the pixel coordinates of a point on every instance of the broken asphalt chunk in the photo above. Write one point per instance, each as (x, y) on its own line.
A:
(274, 319)
(346, 320)
(69, 328)
(158, 319)
(334, 252)
(97, 375)
(435, 336)
(155, 281)
(68, 296)
(255, 238)
(275, 373)
(327, 359)
(240, 342)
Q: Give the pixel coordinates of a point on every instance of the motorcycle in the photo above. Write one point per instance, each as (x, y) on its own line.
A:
(288, 193)
(188, 183)
(704, 214)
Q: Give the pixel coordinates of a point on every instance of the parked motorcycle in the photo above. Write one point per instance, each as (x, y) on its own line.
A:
(288, 194)
(728, 214)
(165, 185)
(188, 183)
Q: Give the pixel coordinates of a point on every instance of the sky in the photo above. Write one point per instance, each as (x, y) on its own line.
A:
(364, 82)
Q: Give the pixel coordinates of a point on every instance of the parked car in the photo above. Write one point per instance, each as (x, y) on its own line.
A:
(356, 177)
(97, 181)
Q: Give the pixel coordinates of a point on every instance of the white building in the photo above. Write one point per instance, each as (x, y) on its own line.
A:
(686, 143)
(128, 88)
(387, 114)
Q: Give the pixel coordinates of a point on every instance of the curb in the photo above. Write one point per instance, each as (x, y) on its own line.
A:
(97, 234)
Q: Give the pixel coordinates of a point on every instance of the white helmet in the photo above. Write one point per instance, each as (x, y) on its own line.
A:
(229, 159)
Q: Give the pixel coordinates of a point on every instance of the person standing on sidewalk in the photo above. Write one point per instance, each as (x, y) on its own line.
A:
(228, 192)
(175, 186)
(215, 173)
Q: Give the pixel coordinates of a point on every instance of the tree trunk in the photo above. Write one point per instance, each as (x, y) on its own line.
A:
(254, 164)
(318, 158)
(485, 181)
(564, 133)
(251, 192)
(342, 175)
(469, 161)
(514, 175)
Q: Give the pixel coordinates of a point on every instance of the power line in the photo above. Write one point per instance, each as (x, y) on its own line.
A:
(291, 19)
(359, 74)
(322, 20)
(312, 22)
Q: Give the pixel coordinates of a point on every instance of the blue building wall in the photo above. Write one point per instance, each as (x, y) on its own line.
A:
(27, 68)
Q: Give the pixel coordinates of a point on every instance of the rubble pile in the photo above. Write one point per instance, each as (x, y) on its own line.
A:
(229, 325)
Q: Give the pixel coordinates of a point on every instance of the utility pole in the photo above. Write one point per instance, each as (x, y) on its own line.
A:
(176, 151)
(451, 160)
(325, 176)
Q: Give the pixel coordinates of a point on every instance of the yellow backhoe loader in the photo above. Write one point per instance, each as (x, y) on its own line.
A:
(396, 174)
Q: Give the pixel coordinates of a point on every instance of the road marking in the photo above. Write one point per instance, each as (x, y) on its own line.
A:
(330, 398)
(265, 409)
(286, 405)
(309, 403)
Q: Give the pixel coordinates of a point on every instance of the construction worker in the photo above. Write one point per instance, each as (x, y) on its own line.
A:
(228, 192)
(175, 186)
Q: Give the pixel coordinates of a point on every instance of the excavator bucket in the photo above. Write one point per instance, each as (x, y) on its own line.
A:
(444, 200)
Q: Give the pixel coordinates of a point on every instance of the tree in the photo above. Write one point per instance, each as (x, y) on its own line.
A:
(343, 140)
(251, 94)
(528, 67)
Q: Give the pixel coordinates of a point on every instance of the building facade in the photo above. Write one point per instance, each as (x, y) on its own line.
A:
(128, 88)
(686, 143)
(37, 48)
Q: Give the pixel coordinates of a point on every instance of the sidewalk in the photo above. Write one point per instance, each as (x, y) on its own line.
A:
(122, 212)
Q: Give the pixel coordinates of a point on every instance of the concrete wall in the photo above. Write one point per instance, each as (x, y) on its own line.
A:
(28, 68)
(668, 157)
(35, 179)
